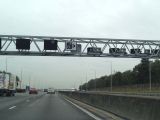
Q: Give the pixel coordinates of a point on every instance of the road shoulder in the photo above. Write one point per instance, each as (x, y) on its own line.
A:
(98, 112)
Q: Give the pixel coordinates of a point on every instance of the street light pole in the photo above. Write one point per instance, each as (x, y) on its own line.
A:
(6, 63)
(95, 80)
(81, 85)
(29, 80)
(21, 80)
(111, 77)
(86, 81)
(150, 77)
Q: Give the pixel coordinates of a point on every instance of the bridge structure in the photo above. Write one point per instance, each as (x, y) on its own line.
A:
(76, 46)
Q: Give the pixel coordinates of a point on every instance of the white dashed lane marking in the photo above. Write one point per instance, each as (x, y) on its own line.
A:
(12, 107)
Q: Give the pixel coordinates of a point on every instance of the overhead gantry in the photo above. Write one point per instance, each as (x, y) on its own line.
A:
(77, 46)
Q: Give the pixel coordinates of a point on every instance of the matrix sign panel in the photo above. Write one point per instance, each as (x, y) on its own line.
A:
(78, 50)
(23, 44)
(134, 51)
(114, 50)
(70, 45)
(50, 44)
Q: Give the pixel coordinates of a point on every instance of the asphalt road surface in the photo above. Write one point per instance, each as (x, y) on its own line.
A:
(39, 107)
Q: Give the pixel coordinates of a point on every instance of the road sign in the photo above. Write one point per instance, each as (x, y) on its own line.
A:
(70, 45)
(23, 44)
(50, 44)
(78, 49)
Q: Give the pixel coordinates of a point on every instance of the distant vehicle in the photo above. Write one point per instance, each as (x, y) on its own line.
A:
(33, 91)
(45, 90)
(8, 84)
(94, 51)
(51, 91)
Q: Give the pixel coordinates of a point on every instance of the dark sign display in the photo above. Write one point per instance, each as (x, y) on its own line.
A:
(114, 50)
(71, 45)
(147, 51)
(94, 50)
(134, 51)
(155, 51)
(50, 44)
(23, 44)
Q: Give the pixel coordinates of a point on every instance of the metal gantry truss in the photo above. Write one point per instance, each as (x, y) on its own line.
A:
(8, 47)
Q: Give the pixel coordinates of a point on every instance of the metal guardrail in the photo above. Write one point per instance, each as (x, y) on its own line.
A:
(154, 94)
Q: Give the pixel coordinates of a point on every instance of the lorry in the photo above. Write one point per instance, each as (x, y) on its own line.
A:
(8, 84)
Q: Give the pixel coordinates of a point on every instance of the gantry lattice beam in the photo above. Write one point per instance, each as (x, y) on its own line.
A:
(125, 48)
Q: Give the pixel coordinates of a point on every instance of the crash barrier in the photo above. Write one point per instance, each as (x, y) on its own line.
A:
(128, 107)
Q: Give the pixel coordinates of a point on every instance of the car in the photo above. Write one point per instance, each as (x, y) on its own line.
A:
(33, 91)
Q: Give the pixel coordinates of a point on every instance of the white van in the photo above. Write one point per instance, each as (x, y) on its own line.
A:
(51, 91)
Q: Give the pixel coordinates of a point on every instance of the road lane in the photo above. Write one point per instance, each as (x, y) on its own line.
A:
(45, 107)
(6, 102)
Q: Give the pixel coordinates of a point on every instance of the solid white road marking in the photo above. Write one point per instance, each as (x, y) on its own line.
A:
(85, 111)
(12, 107)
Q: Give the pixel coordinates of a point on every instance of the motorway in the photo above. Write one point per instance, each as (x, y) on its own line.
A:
(39, 107)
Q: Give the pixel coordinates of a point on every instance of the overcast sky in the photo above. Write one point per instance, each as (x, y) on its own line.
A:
(134, 19)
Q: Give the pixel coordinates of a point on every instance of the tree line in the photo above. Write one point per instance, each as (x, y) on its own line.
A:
(139, 75)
